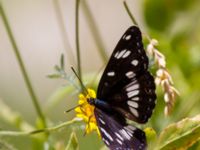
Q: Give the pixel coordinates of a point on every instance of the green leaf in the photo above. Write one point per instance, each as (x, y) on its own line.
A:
(151, 137)
(104, 148)
(57, 68)
(180, 135)
(73, 142)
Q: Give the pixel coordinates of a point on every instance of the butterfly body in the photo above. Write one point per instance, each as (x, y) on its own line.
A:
(126, 91)
(103, 105)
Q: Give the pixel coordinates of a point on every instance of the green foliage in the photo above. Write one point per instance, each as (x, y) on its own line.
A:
(157, 11)
(159, 14)
(73, 142)
(60, 70)
(151, 137)
(5, 146)
(181, 135)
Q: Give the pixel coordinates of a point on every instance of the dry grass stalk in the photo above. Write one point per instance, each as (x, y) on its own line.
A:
(163, 78)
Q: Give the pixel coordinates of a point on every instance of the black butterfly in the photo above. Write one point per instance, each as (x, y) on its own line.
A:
(126, 91)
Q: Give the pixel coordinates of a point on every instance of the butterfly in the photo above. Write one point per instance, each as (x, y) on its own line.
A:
(126, 91)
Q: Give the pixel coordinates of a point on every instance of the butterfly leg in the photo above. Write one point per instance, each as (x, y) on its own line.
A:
(88, 124)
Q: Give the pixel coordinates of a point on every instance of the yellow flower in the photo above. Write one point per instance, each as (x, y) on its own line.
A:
(86, 112)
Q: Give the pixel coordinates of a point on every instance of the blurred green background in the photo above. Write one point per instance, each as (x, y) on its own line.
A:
(43, 30)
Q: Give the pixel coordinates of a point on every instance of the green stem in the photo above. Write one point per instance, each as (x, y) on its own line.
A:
(77, 39)
(94, 30)
(22, 67)
(63, 31)
(129, 13)
(46, 130)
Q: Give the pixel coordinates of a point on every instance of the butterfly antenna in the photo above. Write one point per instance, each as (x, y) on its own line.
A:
(82, 85)
(72, 108)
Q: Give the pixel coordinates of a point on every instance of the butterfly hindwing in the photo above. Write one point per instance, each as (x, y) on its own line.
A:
(116, 134)
(126, 84)
(136, 100)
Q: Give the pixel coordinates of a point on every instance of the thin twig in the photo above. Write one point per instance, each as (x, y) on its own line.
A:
(63, 31)
(22, 67)
(129, 13)
(45, 130)
(94, 31)
(77, 39)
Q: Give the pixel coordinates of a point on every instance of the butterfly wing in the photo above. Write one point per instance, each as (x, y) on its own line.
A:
(126, 83)
(116, 134)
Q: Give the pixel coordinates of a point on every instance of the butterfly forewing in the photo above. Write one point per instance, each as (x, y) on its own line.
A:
(116, 134)
(127, 59)
(126, 84)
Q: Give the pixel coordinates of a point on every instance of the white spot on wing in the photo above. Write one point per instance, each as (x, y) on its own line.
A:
(127, 37)
(133, 87)
(130, 74)
(106, 134)
(107, 143)
(119, 136)
(131, 127)
(116, 54)
(125, 134)
(133, 104)
(131, 130)
(120, 54)
(120, 142)
(135, 98)
(134, 111)
(132, 93)
(132, 83)
(102, 121)
(134, 62)
(129, 133)
(112, 73)
(126, 54)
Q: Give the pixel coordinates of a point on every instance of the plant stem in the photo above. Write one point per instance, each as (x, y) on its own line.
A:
(77, 39)
(22, 67)
(94, 30)
(63, 31)
(129, 13)
(46, 130)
